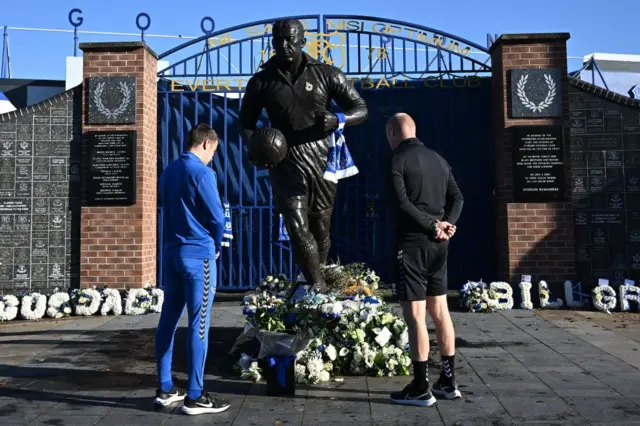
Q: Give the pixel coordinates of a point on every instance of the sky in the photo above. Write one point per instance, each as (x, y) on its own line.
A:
(595, 26)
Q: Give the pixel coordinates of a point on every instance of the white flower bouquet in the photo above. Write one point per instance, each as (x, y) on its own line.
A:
(478, 297)
(337, 336)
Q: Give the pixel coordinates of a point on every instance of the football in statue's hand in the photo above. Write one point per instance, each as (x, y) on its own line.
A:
(267, 147)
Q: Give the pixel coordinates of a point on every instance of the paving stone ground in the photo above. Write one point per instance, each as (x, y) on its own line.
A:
(514, 367)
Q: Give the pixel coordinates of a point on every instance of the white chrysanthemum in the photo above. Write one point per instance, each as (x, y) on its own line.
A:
(628, 294)
(324, 376)
(604, 298)
(504, 292)
(112, 302)
(525, 295)
(301, 373)
(59, 305)
(33, 306)
(8, 307)
(88, 302)
(315, 366)
(137, 302)
(157, 299)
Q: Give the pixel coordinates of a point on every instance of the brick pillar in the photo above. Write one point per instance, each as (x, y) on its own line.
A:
(535, 239)
(118, 243)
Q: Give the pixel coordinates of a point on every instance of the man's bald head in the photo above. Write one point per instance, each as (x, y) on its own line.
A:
(400, 127)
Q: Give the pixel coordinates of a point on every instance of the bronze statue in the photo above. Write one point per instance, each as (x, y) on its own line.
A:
(296, 90)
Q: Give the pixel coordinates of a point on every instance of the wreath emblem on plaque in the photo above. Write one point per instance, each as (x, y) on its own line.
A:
(548, 100)
(112, 113)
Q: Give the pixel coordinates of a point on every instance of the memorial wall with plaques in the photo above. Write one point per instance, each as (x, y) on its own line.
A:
(605, 146)
(40, 164)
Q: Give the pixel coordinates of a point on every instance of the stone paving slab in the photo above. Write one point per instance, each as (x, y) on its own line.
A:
(514, 367)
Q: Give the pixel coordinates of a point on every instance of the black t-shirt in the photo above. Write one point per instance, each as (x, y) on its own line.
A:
(424, 190)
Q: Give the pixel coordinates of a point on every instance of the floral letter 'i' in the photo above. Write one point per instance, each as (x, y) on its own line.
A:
(525, 295)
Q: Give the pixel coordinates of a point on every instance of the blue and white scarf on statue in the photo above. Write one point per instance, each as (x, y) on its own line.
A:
(227, 235)
(339, 162)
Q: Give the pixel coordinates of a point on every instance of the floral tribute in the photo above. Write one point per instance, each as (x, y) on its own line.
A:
(348, 331)
(545, 295)
(84, 302)
(478, 297)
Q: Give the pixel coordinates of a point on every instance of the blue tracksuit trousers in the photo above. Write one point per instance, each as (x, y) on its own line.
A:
(192, 282)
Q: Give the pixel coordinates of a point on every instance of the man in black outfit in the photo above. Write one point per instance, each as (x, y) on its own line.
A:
(296, 90)
(429, 204)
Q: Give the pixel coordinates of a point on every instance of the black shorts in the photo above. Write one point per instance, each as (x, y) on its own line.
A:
(298, 181)
(422, 271)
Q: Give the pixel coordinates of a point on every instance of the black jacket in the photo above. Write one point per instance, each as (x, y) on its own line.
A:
(296, 109)
(425, 191)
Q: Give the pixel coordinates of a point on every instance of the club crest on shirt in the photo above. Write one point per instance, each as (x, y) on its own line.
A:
(308, 86)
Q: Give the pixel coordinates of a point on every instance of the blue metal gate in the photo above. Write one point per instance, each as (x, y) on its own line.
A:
(396, 66)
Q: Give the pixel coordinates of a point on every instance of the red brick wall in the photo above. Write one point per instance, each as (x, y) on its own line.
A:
(534, 239)
(118, 244)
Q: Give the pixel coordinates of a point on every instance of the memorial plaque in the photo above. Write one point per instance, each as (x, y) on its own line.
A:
(111, 100)
(110, 172)
(537, 93)
(37, 235)
(538, 164)
(606, 187)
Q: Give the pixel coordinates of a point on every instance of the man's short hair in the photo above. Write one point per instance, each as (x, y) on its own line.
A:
(200, 133)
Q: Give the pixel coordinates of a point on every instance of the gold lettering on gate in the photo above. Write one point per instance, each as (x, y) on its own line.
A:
(323, 49)
(367, 83)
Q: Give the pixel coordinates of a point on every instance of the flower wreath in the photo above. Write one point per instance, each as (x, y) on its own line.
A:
(59, 305)
(604, 298)
(629, 293)
(568, 295)
(34, 306)
(86, 301)
(8, 307)
(157, 299)
(525, 295)
(138, 302)
(504, 296)
(545, 293)
(112, 302)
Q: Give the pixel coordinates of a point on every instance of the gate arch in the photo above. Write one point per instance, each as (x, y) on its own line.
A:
(435, 76)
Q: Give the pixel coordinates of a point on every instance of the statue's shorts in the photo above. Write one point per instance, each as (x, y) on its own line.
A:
(298, 182)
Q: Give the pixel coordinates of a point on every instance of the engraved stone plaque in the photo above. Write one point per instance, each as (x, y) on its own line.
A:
(538, 164)
(111, 100)
(538, 93)
(37, 234)
(605, 160)
(111, 168)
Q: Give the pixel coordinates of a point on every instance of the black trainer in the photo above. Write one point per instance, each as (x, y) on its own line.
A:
(445, 389)
(204, 405)
(412, 396)
(168, 398)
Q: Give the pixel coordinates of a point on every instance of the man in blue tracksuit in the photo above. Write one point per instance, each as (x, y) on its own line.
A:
(193, 232)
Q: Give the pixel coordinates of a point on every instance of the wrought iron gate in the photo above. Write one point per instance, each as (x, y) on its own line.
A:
(396, 66)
